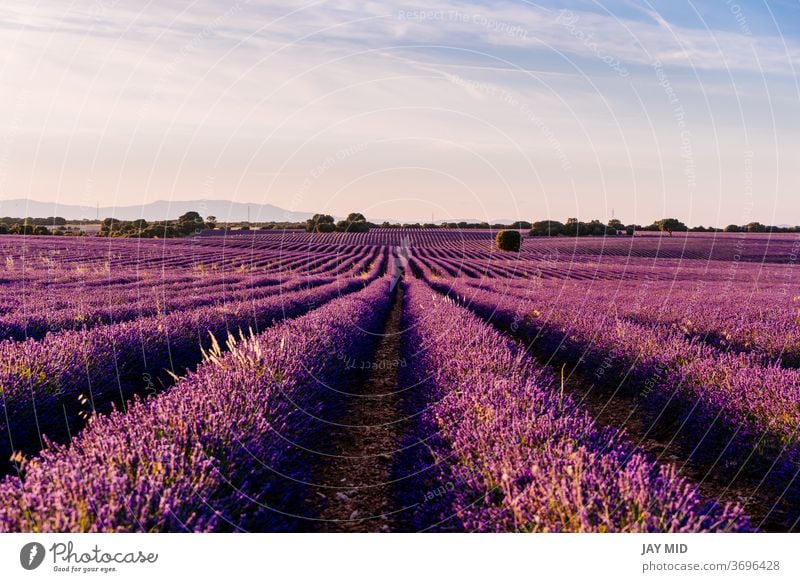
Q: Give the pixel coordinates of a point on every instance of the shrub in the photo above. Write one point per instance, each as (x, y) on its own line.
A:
(315, 221)
(326, 227)
(355, 222)
(22, 229)
(508, 240)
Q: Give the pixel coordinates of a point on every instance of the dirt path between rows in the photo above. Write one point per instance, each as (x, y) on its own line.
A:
(354, 492)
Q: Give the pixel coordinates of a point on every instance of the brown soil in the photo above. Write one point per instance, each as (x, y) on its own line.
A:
(354, 492)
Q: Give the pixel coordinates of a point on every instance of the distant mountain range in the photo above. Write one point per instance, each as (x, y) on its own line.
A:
(224, 210)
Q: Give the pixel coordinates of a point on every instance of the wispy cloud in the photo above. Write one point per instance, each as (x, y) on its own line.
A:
(145, 100)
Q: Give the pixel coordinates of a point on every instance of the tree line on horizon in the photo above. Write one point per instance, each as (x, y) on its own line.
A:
(574, 227)
(192, 223)
(52, 225)
(186, 224)
(356, 222)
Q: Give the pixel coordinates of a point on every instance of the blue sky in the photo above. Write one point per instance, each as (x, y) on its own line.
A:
(408, 109)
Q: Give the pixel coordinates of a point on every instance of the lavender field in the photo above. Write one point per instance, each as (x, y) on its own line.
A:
(400, 380)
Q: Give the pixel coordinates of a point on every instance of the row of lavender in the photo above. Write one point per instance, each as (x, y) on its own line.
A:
(65, 310)
(750, 394)
(445, 262)
(74, 260)
(515, 454)
(51, 386)
(761, 320)
(222, 450)
(757, 311)
(31, 313)
(43, 292)
(517, 424)
(218, 452)
(261, 249)
(726, 412)
(723, 247)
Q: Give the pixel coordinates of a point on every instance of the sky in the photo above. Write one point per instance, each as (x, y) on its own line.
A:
(408, 110)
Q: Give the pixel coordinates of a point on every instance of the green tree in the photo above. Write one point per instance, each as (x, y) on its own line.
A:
(109, 227)
(313, 223)
(670, 225)
(190, 223)
(595, 228)
(139, 226)
(547, 228)
(355, 222)
(572, 227)
(508, 240)
(756, 227)
(190, 216)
